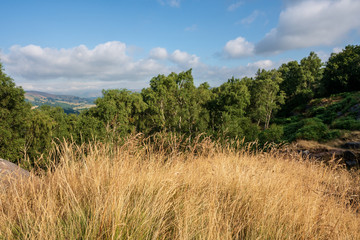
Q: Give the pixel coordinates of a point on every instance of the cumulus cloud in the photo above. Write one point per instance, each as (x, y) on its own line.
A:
(306, 23)
(84, 71)
(106, 62)
(262, 64)
(185, 59)
(234, 6)
(217, 75)
(158, 53)
(107, 65)
(238, 48)
(337, 50)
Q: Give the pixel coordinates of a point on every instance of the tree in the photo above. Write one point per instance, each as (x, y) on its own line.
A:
(266, 95)
(227, 109)
(174, 104)
(300, 81)
(342, 71)
(119, 111)
(312, 68)
(14, 119)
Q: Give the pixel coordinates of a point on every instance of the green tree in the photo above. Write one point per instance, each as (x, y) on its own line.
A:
(39, 136)
(227, 109)
(61, 128)
(266, 96)
(119, 110)
(300, 81)
(312, 68)
(342, 71)
(14, 119)
(174, 104)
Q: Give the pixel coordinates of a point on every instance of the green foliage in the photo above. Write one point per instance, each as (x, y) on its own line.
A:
(301, 81)
(273, 134)
(342, 72)
(334, 107)
(348, 123)
(312, 129)
(175, 104)
(14, 119)
(266, 96)
(227, 108)
(309, 129)
(119, 110)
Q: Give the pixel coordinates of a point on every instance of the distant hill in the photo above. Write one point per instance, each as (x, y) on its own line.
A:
(70, 104)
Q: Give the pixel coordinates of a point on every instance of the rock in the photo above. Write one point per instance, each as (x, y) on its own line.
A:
(10, 172)
(350, 159)
(352, 145)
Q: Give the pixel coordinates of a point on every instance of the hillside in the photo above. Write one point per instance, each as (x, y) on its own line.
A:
(70, 104)
(326, 128)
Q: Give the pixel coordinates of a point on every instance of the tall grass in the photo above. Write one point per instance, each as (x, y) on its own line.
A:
(151, 190)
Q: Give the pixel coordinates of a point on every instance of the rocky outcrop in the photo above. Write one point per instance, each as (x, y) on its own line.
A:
(10, 172)
(344, 152)
(352, 145)
(349, 158)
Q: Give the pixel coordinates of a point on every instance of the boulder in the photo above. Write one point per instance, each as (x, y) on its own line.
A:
(10, 172)
(350, 159)
(352, 145)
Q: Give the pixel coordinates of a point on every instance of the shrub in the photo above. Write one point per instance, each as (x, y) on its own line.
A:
(347, 123)
(312, 129)
(273, 134)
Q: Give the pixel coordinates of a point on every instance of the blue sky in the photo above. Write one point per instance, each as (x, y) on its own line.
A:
(82, 46)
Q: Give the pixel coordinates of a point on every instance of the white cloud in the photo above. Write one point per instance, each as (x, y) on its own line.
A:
(234, 6)
(337, 50)
(262, 64)
(172, 3)
(158, 53)
(83, 71)
(306, 23)
(251, 18)
(185, 59)
(238, 48)
(108, 65)
(324, 56)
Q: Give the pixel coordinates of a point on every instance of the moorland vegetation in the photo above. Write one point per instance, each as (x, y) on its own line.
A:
(177, 161)
(299, 100)
(155, 189)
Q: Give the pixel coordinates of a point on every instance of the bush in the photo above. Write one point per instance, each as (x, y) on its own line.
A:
(347, 123)
(273, 134)
(312, 129)
(332, 134)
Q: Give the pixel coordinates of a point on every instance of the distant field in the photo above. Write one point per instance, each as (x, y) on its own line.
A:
(142, 190)
(70, 104)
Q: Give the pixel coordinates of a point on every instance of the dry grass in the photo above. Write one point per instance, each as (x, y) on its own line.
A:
(136, 192)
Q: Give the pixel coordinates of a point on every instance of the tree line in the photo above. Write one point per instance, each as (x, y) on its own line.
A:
(238, 108)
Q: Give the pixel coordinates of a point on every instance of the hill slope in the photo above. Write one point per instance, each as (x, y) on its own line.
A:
(70, 104)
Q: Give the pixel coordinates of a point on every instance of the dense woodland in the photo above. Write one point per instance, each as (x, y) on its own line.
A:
(263, 108)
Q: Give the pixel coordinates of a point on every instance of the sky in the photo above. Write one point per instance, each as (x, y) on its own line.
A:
(80, 47)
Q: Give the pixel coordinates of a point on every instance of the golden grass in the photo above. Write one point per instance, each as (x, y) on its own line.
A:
(133, 191)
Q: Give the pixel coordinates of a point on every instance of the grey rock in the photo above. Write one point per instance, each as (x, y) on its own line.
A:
(350, 159)
(10, 172)
(352, 145)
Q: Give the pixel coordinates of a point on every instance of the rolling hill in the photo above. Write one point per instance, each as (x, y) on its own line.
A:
(70, 104)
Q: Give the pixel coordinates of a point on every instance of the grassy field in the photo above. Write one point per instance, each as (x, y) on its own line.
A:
(143, 190)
